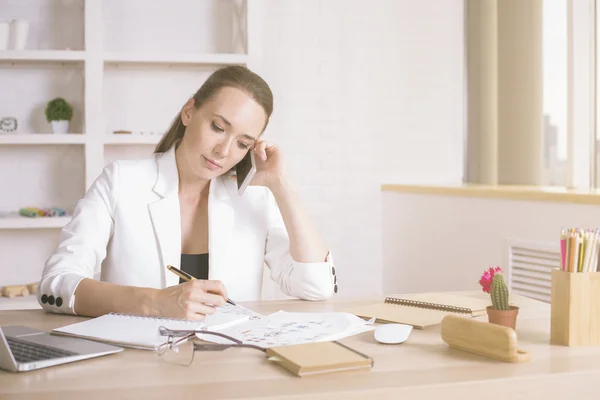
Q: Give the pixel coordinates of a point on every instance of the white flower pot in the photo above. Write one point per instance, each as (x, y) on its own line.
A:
(20, 31)
(60, 126)
(4, 34)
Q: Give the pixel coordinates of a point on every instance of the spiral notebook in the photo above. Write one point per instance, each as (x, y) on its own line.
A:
(143, 332)
(423, 309)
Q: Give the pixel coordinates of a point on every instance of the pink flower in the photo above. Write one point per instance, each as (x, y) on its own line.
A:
(486, 279)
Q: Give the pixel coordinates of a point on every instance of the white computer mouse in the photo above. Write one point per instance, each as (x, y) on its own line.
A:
(392, 333)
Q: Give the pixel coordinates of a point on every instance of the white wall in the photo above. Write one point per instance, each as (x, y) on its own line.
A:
(422, 83)
(435, 242)
(365, 93)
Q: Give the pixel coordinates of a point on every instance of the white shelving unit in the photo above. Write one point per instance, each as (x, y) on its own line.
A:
(41, 138)
(124, 139)
(42, 55)
(21, 303)
(70, 138)
(115, 81)
(181, 58)
(32, 223)
(123, 58)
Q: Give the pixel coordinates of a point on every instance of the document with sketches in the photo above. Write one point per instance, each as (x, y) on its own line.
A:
(228, 315)
(288, 328)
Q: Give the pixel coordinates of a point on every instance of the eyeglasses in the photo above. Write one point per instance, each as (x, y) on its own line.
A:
(180, 347)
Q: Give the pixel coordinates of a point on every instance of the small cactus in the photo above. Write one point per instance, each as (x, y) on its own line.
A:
(499, 292)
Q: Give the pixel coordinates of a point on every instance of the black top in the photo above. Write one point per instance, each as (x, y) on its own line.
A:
(195, 264)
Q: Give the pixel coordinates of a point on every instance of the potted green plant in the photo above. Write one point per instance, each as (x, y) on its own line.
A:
(500, 312)
(59, 112)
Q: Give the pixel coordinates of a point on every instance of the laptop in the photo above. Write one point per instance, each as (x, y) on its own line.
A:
(25, 349)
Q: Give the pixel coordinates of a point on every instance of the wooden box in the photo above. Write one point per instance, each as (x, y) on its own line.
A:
(575, 308)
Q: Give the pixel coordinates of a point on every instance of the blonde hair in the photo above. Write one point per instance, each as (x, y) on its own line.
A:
(236, 76)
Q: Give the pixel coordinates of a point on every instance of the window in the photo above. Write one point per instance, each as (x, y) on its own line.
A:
(555, 91)
(531, 93)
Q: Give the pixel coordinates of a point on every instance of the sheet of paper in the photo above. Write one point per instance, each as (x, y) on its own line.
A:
(228, 315)
(287, 328)
(238, 310)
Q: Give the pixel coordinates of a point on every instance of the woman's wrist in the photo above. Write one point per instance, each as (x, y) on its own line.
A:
(278, 185)
(148, 301)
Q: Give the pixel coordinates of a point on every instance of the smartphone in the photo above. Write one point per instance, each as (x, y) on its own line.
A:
(245, 171)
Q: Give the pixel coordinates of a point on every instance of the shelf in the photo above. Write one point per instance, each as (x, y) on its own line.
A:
(42, 55)
(181, 58)
(556, 194)
(42, 138)
(19, 303)
(33, 223)
(132, 139)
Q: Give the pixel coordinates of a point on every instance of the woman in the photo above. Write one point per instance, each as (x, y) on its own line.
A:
(181, 208)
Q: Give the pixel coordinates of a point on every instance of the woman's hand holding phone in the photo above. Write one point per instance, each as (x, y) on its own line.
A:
(269, 163)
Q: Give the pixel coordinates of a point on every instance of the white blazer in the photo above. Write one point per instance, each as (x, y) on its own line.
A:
(127, 229)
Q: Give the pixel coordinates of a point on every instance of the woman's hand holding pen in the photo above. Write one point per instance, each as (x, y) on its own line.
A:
(191, 300)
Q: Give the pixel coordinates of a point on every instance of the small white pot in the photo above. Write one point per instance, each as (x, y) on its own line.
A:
(20, 31)
(4, 34)
(60, 126)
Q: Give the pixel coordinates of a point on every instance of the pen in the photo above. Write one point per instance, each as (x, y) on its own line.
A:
(563, 248)
(187, 277)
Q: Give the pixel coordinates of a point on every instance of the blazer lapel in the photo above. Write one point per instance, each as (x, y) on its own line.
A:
(220, 228)
(165, 215)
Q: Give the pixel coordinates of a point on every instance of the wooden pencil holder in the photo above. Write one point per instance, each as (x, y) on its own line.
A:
(575, 308)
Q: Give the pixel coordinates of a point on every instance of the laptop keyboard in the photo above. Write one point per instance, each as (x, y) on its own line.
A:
(25, 352)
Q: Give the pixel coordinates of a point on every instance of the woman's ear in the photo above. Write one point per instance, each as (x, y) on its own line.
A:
(187, 111)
